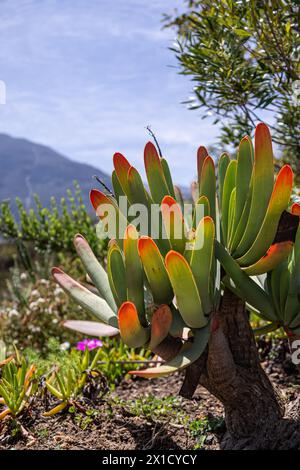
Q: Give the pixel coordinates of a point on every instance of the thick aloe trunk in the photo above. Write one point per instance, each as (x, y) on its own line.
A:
(254, 413)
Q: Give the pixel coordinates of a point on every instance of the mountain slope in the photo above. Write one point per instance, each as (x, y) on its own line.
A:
(27, 168)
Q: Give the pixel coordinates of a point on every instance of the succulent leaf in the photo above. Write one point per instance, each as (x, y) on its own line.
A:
(278, 203)
(89, 301)
(185, 289)
(134, 272)
(223, 163)
(94, 269)
(263, 182)
(179, 197)
(189, 354)
(91, 328)
(160, 325)
(243, 176)
(137, 191)
(131, 330)
(118, 190)
(251, 291)
(155, 174)
(155, 271)
(201, 261)
(277, 253)
(122, 165)
(208, 184)
(168, 176)
(116, 274)
(201, 155)
(229, 185)
(174, 223)
(202, 209)
(100, 201)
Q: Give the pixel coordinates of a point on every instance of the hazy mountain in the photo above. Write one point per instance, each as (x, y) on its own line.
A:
(28, 168)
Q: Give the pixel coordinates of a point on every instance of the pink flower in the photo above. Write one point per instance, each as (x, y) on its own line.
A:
(89, 343)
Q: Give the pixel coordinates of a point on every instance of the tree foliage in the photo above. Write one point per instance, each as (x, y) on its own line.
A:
(244, 59)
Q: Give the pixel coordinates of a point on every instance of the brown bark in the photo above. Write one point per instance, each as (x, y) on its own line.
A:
(231, 371)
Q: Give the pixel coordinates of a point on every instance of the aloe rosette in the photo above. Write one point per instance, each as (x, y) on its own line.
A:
(164, 288)
(154, 289)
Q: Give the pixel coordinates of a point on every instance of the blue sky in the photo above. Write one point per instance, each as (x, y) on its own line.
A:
(87, 77)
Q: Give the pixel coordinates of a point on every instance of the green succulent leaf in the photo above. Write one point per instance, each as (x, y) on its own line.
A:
(185, 289)
(202, 259)
(134, 272)
(116, 274)
(189, 354)
(94, 270)
(155, 271)
(223, 163)
(208, 184)
(263, 182)
(155, 174)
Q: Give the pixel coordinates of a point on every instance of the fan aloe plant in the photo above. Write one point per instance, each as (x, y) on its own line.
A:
(169, 292)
